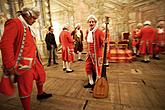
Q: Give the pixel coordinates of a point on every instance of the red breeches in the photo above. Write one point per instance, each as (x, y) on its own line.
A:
(90, 66)
(25, 80)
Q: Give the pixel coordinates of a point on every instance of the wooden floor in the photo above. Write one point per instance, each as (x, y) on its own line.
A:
(132, 86)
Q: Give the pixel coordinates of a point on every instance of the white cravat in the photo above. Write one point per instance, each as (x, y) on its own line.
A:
(160, 30)
(26, 25)
(90, 35)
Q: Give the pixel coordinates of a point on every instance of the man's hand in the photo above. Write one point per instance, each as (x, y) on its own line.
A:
(11, 71)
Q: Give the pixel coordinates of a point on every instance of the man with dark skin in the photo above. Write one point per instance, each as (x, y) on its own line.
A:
(20, 56)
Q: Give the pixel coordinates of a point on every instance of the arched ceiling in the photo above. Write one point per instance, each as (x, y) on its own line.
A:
(110, 4)
(97, 7)
(122, 12)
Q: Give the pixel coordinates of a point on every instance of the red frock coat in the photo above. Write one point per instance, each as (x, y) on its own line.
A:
(135, 39)
(147, 35)
(29, 66)
(67, 46)
(160, 40)
(94, 58)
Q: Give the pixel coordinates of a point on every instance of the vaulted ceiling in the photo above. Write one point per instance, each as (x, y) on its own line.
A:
(97, 7)
(97, 4)
(124, 14)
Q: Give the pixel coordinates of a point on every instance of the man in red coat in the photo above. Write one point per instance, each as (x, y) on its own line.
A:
(94, 39)
(20, 55)
(160, 40)
(147, 36)
(66, 41)
(135, 39)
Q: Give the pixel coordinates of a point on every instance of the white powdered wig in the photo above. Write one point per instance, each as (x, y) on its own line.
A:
(147, 23)
(91, 17)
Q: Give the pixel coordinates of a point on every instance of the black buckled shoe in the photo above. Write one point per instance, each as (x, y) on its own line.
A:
(157, 58)
(64, 69)
(43, 96)
(145, 61)
(69, 71)
(107, 65)
(137, 55)
(55, 63)
(89, 86)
